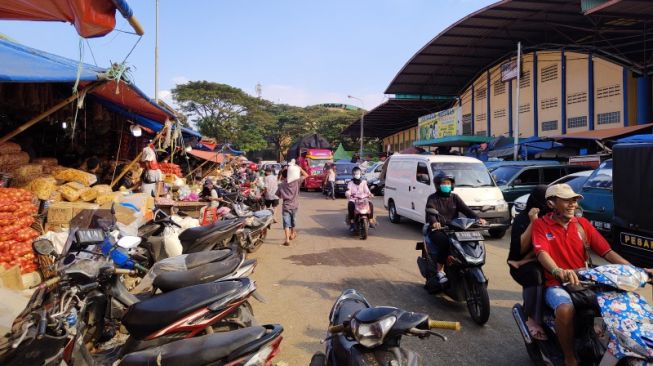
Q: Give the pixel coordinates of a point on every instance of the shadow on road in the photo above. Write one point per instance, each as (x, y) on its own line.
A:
(340, 257)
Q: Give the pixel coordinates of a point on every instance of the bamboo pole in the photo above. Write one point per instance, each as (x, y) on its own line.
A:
(137, 158)
(49, 111)
(194, 170)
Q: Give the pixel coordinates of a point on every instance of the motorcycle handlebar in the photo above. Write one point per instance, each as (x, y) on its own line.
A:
(441, 324)
(336, 328)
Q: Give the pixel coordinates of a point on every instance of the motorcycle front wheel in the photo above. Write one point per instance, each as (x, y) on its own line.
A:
(478, 301)
(363, 228)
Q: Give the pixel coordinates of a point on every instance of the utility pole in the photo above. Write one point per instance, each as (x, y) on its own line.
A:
(516, 129)
(156, 56)
(259, 90)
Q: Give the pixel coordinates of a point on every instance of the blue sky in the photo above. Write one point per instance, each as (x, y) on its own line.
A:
(303, 52)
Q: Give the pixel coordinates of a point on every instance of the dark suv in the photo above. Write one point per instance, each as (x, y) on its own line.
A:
(515, 181)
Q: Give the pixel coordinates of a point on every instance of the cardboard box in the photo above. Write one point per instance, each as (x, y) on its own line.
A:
(63, 212)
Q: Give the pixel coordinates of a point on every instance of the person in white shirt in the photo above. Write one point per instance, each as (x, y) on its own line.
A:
(271, 185)
(330, 182)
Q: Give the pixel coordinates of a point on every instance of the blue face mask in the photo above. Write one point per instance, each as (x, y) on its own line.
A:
(445, 188)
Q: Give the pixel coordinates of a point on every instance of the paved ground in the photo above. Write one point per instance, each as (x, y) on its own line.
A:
(302, 281)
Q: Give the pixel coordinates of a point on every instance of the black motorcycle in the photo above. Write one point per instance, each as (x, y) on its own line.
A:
(467, 282)
(360, 334)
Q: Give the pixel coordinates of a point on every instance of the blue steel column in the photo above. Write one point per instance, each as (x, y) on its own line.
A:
(510, 128)
(624, 87)
(590, 91)
(536, 127)
(488, 102)
(563, 94)
(643, 99)
(473, 113)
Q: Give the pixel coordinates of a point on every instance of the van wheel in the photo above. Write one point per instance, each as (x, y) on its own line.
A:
(497, 233)
(392, 213)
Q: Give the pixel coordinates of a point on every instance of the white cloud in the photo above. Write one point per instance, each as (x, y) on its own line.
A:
(179, 80)
(288, 94)
(166, 96)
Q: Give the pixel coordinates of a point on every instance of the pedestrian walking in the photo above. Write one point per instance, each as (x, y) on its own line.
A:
(289, 193)
(271, 185)
(331, 182)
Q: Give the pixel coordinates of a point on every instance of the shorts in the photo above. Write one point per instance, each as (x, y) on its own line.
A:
(271, 203)
(289, 218)
(555, 296)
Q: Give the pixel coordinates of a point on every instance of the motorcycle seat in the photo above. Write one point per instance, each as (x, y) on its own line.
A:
(198, 259)
(146, 317)
(194, 233)
(209, 272)
(196, 351)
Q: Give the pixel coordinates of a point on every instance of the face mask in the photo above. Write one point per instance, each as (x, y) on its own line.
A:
(445, 188)
(357, 176)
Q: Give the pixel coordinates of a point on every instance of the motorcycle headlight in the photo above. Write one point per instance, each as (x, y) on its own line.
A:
(503, 206)
(370, 335)
(520, 206)
(340, 181)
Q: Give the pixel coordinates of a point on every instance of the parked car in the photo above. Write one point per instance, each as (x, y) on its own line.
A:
(374, 171)
(493, 164)
(373, 176)
(409, 181)
(516, 181)
(343, 175)
(597, 202)
(575, 180)
(276, 167)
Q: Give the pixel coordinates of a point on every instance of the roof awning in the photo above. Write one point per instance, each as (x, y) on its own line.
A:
(91, 18)
(454, 141)
(213, 156)
(395, 115)
(604, 134)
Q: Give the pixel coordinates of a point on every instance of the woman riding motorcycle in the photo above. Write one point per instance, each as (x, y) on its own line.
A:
(449, 205)
(357, 188)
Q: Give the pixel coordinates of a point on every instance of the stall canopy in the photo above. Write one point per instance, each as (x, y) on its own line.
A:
(454, 141)
(91, 18)
(647, 138)
(527, 147)
(341, 153)
(605, 134)
(213, 156)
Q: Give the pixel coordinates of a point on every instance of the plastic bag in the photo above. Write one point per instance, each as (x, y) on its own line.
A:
(172, 264)
(171, 241)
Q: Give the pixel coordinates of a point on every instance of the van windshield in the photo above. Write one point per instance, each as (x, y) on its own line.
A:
(503, 174)
(466, 174)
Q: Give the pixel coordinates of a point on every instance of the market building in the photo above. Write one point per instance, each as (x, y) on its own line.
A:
(584, 67)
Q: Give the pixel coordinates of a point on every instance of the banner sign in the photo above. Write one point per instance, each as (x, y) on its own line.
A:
(509, 70)
(439, 124)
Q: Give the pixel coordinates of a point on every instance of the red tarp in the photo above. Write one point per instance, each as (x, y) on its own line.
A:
(91, 18)
(208, 155)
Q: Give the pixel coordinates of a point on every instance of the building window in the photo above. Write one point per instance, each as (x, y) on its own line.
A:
(481, 117)
(499, 113)
(549, 103)
(577, 98)
(607, 118)
(608, 91)
(481, 93)
(549, 73)
(574, 122)
(525, 108)
(467, 124)
(499, 87)
(481, 133)
(549, 126)
(525, 80)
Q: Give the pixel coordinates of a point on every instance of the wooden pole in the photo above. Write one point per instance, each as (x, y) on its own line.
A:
(211, 169)
(194, 170)
(48, 112)
(137, 158)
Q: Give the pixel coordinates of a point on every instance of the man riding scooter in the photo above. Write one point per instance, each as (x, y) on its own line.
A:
(449, 205)
(357, 188)
(561, 242)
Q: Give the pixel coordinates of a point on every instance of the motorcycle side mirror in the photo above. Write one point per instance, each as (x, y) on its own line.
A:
(44, 247)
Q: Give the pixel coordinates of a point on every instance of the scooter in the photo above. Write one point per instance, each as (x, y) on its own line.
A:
(362, 217)
(255, 230)
(463, 268)
(613, 324)
(360, 334)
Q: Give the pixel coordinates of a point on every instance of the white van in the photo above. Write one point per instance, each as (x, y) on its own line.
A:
(409, 182)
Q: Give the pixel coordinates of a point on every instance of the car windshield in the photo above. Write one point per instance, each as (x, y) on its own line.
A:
(371, 169)
(466, 174)
(344, 168)
(317, 163)
(601, 177)
(574, 181)
(503, 174)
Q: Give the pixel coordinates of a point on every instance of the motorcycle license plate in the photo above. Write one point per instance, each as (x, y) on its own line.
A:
(468, 235)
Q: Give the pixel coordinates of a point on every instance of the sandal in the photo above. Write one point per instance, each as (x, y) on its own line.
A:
(536, 331)
(286, 243)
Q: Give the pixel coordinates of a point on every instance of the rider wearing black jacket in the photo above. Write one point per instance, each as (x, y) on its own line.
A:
(449, 205)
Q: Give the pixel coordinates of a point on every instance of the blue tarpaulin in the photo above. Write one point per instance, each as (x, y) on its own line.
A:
(19, 63)
(648, 138)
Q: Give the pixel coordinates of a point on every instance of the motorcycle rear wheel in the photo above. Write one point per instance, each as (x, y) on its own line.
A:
(318, 359)
(243, 317)
(478, 301)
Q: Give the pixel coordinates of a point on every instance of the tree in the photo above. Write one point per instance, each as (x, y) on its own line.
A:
(225, 113)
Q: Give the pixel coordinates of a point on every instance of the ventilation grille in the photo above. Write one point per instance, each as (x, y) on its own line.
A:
(481, 93)
(499, 113)
(549, 126)
(525, 108)
(499, 87)
(608, 118)
(608, 91)
(577, 98)
(549, 103)
(525, 80)
(549, 73)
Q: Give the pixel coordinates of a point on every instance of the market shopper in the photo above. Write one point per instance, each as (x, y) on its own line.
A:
(289, 193)
(151, 174)
(210, 193)
(271, 185)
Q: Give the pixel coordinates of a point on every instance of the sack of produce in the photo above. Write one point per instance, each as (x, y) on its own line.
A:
(46, 161)
(108, 198)
(9, 148)
(69, 193)
(74, 175)
(43, 187)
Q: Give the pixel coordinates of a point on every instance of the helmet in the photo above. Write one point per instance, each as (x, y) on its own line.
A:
(253, 166)
(442, 176)
(356, 169)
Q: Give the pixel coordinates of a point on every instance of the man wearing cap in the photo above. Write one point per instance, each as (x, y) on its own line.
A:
(560, 240)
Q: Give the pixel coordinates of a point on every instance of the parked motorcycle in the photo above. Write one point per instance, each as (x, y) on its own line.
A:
(360, 334)
(463, 267)
(377, 186)
(256, 225)
(362, 216)
(613, 324)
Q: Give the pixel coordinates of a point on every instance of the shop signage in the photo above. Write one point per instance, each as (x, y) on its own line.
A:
(509, 70)
(439, 124)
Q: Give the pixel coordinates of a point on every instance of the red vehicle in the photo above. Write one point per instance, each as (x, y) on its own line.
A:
(313, 163)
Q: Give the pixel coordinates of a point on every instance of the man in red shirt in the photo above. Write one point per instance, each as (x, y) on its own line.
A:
(559, 240)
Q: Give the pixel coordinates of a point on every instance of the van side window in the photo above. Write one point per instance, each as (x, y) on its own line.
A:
(422, 175)
(551, 174)
(528, 177)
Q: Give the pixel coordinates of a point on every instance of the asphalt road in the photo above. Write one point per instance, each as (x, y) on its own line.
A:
(301, 282)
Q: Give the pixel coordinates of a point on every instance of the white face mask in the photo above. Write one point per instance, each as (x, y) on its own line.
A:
(357, 175)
